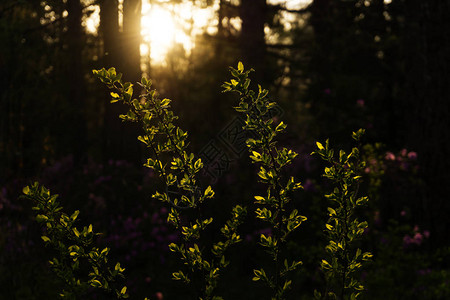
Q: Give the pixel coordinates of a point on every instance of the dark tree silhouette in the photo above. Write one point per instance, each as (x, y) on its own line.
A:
(76, 92)
(427, 109)
(252, 39)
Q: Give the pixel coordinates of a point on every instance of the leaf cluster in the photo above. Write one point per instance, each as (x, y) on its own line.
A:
(343, 228)
(179, 170)
(74, 248)
(256, 107)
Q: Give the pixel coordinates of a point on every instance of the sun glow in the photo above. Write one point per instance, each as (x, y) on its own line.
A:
(158, 32)
(165, 25)
(161, 29)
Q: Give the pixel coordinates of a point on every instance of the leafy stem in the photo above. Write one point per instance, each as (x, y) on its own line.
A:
(163, 136)
(343, 229)
(256, 108)
(74, 247)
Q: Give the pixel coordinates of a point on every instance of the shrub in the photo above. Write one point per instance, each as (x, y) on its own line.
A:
(181, 190)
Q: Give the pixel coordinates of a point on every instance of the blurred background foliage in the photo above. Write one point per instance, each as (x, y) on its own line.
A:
(333, 66)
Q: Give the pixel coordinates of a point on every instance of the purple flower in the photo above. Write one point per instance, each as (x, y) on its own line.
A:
(407, 240)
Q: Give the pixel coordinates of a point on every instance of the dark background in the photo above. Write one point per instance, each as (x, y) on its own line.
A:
(342, 65)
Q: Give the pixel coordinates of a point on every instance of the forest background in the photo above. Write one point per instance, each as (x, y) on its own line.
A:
(333, 66)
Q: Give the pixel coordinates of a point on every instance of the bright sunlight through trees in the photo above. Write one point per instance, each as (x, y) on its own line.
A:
(165, 24)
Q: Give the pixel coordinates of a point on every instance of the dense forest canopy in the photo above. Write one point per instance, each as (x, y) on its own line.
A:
(333, 65)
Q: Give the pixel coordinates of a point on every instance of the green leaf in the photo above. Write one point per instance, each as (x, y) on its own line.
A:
(240, 67)
(41, 218)
(209, 193)
(123, 290)
(246, 83)
(165, 103)
(26, 190)
(358, 134)
(331, 211)
(362, 201)
(74, 215)
(320, 146)
(287, 284)
(262, 174)
(325, 265)
(118, 268)
(367, 256)
(258, 274)
(260, 199)
(256, 156)
(96, 283)
(280, 127)
(198, 164)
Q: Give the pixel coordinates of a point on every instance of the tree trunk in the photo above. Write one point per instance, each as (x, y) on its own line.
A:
(109, 31)
(132, 39)
(252, 40)
(77, 91)
(120, 50)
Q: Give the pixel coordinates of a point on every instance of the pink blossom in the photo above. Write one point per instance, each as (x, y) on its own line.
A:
(412, 155)
(360, 102)
(389, 156)
(159, 296)
(403, 213)
(418, 238)
(426, 233)
(404, 152)
(327, 91)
